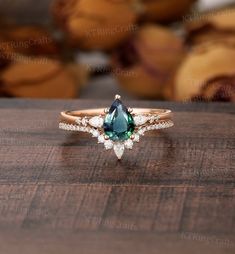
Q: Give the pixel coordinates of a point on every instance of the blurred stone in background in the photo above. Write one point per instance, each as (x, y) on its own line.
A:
(205, 5)
(162, 50)
(151, 57)
(26, 11)
(95, 25)
(207, 74)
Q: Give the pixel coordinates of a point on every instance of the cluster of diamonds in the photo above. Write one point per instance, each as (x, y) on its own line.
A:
(93, 125)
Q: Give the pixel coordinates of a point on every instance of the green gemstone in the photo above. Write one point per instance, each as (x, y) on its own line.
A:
(119, 123)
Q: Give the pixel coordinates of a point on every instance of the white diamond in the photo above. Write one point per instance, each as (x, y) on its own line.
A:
(136, 138)
(140, 120)
(141, 132)
(84, 121)
(152, 118)
(108, 144)
(119, 149)
(101, 139)
(95, 133)
(78, 120)
(96, 121)
(129, 144)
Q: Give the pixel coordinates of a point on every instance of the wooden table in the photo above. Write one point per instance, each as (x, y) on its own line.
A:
(62, 193)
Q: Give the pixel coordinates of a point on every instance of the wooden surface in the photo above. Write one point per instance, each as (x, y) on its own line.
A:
(62, 193)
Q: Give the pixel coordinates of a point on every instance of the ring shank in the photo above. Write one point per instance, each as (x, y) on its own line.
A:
(71, 116)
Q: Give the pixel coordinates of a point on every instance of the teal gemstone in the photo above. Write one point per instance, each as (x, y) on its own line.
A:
(119, 123)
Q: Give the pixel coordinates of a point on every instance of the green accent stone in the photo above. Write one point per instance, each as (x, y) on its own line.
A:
(119, 123)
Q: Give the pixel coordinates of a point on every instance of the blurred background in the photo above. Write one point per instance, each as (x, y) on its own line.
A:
(175, 50)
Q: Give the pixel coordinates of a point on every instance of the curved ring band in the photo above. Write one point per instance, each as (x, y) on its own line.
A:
(71, 116)
(116, 127)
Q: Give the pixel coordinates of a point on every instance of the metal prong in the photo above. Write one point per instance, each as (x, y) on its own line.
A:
(117, 97)
(132, 137)
(130, 110)
(106, 110)
(106, 137)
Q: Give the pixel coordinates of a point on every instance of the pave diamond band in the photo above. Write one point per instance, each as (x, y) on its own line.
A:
(118, 127)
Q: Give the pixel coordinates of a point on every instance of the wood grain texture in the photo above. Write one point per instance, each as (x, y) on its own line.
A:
(62, 193)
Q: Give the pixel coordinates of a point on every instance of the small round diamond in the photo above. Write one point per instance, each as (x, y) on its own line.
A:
(84, 121)
(108, 144)
(152, 118)
(95, 133)
(101, 139)
(78, 120)
(128, 144)
(141, 132)
(136, 138)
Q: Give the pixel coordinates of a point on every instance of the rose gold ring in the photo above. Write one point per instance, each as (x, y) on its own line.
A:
(116, 127)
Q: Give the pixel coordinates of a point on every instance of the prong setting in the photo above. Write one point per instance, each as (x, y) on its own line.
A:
(117, 97)
(106, 110)
(132, 137)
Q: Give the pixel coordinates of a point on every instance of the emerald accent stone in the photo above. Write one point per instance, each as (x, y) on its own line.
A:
(119, 123)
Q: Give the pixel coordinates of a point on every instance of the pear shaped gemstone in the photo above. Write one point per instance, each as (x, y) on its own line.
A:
(119, 123)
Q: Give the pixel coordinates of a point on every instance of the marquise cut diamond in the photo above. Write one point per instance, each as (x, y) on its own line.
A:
(96, 121)
(140, 120)
(119, 149)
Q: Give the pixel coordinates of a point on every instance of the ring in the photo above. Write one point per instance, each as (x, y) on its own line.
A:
(117, 127)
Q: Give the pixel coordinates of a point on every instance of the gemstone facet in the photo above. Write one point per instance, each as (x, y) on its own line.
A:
(118, 124)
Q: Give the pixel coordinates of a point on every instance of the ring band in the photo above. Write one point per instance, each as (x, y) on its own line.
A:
(116, 127)
(72, 116)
